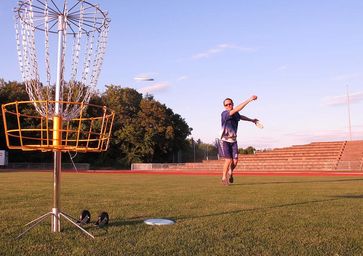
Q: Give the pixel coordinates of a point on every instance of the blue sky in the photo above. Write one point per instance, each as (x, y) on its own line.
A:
(298, 57)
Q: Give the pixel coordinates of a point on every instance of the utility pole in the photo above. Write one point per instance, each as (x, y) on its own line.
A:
(349, 121)
(207, 152)
(194, 149)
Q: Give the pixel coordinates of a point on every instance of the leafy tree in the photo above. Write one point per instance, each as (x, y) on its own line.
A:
(164, 131)
(156, 128)
(144, 130)
(247, 151)
(200, 151)
(10, 92)
(207, 151)
(126, 139)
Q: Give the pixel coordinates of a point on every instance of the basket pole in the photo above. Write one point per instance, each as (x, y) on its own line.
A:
(57, 136)
(55, 226)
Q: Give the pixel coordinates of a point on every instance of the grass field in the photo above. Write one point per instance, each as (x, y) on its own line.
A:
(255, 216)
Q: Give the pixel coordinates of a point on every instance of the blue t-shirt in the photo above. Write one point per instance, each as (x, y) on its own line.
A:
(229, 126)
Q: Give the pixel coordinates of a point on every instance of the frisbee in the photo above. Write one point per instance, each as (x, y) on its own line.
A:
(141, 78)
(159, 222)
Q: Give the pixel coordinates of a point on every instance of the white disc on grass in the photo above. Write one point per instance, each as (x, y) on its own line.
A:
(158, 222)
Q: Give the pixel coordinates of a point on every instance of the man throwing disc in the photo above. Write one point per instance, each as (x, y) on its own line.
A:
(228, 148)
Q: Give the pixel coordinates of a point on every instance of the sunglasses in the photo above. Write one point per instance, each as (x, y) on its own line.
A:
(228, 104)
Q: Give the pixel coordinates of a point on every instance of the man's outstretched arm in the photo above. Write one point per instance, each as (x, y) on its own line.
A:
(245, 118)
(242, 105)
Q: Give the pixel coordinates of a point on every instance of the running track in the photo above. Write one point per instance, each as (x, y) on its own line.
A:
(209, 173)
(200, 172)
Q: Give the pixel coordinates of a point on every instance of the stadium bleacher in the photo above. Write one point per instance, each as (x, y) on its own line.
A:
(344, 156)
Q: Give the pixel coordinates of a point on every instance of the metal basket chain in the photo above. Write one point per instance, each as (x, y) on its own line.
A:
(19, 50)
(47, 54)
(75, 61)
(25, 56)
(86, 25)
(102, 43)
(77, 45)
(88, 57)
(33, 52)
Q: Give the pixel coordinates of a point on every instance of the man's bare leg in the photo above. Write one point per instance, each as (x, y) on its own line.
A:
(226, 167)
(232, 167)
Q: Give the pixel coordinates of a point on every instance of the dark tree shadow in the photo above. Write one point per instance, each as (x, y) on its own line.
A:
(258, 209)
(296, 182)
(350, 196)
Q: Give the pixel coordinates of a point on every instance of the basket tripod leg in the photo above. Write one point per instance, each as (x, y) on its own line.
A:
(34, 223)
(67, 217)
(38, 220)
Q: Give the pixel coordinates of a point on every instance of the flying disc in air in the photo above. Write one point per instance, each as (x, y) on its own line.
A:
(143, 78)
(158, 222)
(259, 124)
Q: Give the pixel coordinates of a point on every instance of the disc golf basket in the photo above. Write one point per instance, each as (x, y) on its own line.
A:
(58, 117)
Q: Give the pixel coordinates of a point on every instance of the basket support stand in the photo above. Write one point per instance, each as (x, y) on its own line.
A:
(55, 214)
(57, 143)
(38, 220)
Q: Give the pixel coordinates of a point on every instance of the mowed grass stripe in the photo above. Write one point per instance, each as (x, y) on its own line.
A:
(255, 216)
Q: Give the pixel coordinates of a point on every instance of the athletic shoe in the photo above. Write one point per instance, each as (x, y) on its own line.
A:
(231, 178)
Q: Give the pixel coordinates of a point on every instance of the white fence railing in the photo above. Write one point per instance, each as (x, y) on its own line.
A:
(48, 166)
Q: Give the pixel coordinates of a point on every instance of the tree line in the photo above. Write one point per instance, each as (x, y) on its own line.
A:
(144, 130)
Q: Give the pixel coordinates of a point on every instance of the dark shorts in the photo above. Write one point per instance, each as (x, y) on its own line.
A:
(228, 149)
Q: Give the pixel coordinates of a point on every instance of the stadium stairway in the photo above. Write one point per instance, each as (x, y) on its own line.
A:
(345, 156)
(352, 157)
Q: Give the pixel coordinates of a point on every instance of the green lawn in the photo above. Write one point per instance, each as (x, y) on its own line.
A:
(255, 216)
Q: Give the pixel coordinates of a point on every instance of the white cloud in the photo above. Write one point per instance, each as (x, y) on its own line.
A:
(345, 77)
(313, 136)
(281, 68)
(181, 78)
(303, 137)
(221, 48)
(306, 137)
(343, 99)
(154, 87)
